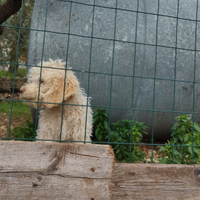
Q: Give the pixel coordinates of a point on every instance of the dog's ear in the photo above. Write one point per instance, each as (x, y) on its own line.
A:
(55, 94)
(71, 87)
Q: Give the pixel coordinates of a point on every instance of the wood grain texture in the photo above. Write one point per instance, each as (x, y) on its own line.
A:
(50, 170)
(156, 182)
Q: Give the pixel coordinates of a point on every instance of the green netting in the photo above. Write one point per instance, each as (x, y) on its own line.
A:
(114, 40)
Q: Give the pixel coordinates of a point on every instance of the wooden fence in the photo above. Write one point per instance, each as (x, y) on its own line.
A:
(58, 171)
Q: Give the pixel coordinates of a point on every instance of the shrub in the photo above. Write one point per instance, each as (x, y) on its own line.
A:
(120, 133)
(185, 133)
(100, 120)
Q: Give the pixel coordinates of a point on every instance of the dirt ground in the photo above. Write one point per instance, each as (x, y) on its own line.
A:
(147, 149)
(9, 95)
(4, 124)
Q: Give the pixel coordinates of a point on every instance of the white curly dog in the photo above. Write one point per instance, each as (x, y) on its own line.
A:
(51, 91)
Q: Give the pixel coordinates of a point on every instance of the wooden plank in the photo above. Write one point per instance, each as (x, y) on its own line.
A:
(156, 182)
(50, 170)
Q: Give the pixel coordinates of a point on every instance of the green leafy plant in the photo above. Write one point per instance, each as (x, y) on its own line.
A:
(26, 131)
(137, 130)
(185, 133)
(120, 133)
(100, 120)
(138, 155)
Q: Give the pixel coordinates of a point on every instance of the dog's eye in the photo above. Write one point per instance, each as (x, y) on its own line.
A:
(41, 81)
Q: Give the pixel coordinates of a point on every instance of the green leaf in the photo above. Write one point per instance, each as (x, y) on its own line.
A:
(197, 150)
(183, 128)
(187, 138)
(117, 151)
(164, 160)
(106, 125)
(177, 161)
(95, 114)
(190, 149)
(197, 141)
(162, 148)
(196, 127)
(95, 119)
(180, 137)
(176, 153)
(105, 114)
(139, 134)
(100, 137)
(97, 131)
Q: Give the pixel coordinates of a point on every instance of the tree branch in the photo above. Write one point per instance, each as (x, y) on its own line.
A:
(9, 8)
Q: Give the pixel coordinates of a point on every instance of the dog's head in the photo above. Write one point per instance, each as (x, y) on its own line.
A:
(50, 84)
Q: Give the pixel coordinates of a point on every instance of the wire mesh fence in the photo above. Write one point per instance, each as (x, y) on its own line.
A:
(167, 35)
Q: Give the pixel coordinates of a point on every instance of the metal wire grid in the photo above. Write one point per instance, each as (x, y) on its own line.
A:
(114, 40)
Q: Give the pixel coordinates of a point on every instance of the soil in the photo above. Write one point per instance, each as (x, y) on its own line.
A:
(147, 149)
(6, 95)
(4, 125)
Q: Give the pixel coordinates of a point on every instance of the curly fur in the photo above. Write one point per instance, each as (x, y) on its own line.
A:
(51, 91)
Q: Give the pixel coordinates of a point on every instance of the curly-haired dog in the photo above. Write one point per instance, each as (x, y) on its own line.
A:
(51, 91)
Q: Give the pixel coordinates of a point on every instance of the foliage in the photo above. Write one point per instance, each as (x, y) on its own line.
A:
(185, 133)
(11, 35)
(120, 133)
(138, 155)
(138, 129)
(19, 109)
(19, 73)
(101, 124)
(26, 131)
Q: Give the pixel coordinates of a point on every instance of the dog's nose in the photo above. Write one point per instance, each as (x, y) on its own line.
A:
(22, 90)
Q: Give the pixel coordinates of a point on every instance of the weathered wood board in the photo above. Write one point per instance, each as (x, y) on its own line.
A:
(57, 171)
(156, 182)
